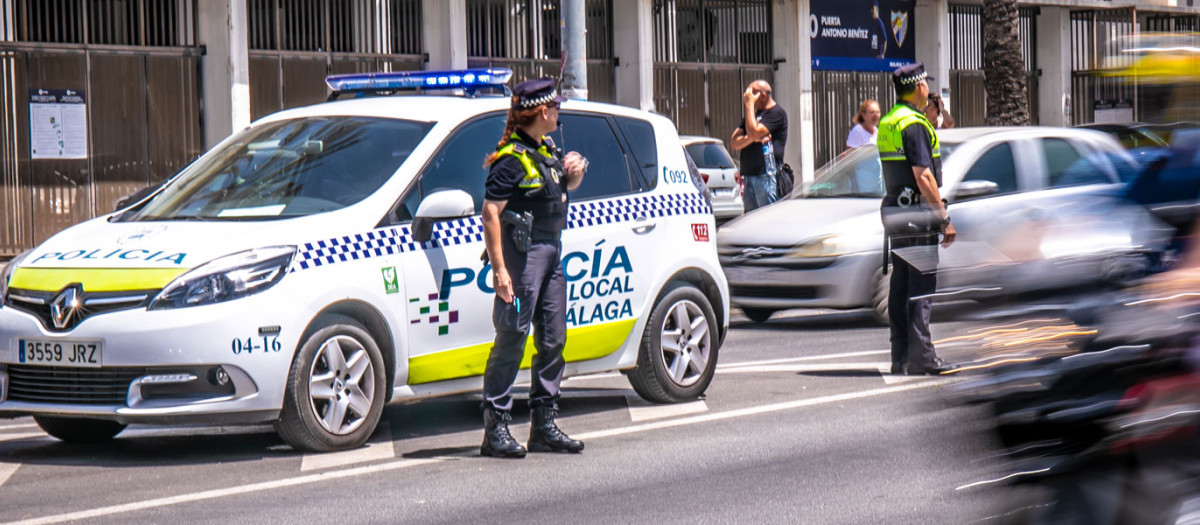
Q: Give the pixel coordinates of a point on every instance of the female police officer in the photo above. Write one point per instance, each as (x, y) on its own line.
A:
(524, 214)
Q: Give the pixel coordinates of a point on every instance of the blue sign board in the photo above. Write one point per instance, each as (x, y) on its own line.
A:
(862, 35)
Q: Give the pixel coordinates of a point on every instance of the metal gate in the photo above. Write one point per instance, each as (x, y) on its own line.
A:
(137, 66)
(1095, 43)
(706, 52)
(295, 44)
(836, 98)
(526, 37)
(968, 97)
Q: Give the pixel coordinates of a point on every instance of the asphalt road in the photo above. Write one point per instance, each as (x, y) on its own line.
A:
(799, 426)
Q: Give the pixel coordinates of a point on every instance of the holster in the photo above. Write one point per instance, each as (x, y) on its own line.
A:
(522, 229)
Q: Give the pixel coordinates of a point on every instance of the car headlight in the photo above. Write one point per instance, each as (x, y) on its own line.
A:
(227, 278)
(6, 275)
(827, 246)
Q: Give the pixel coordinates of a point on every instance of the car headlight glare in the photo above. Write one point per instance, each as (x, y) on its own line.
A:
(6, 276)
(828, 246)
(227, 278)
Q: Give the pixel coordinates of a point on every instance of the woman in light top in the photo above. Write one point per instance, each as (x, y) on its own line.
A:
(866, 125)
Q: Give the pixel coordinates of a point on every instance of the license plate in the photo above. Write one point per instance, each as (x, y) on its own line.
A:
(53, 352)
(722, 192)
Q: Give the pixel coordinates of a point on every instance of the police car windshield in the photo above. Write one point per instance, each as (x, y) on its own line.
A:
(854, 174)
(287, 169)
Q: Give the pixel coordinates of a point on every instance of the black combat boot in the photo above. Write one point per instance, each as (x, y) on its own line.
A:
(544, 435)
(497, 441)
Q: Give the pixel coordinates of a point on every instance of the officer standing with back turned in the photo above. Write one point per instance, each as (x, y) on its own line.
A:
(524, 214)
(913, 215)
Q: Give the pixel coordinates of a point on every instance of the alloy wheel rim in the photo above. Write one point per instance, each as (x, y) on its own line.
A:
(341, 385)
(685, 343)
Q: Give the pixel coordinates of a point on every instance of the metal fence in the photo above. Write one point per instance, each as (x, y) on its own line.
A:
(295, 44)
(1095, 44)
(968, 97)
(138, 66)
(836, 98)
(526, 36)
(706, 52)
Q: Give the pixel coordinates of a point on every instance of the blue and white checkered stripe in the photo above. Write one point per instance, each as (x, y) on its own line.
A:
(395, 240)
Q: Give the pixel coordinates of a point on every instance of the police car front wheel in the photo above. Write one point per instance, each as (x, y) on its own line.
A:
(335, 388)
(678, 354)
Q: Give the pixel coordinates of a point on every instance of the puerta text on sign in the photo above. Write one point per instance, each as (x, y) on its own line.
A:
(862, 36)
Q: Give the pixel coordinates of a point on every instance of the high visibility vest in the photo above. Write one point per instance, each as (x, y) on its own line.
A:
(541, 189)
(897, 172)
(533, 172)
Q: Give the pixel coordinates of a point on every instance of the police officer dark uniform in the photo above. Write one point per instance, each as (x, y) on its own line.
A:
(913, 215)
(524, 214)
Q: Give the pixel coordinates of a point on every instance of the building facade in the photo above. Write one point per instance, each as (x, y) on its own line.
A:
(103, 97)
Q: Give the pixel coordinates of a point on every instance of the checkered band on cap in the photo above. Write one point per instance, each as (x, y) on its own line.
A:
(916, 78)
(526, 104)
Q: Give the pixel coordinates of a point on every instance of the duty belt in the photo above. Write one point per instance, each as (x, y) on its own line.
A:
(908, 197)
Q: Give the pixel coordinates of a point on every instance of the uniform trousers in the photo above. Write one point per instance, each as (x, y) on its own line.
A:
(540, 303)
(909, 314)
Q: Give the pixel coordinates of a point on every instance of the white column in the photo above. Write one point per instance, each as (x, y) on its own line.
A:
(931, 34)
(793, 81)
(1054, 60)
(633, 45)
(445, 28)
(226, 68)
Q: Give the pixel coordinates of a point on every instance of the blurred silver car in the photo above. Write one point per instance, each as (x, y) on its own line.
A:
(720, 173)
(1034, 208)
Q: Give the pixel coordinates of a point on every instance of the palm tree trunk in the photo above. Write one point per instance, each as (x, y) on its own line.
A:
(1003, 65)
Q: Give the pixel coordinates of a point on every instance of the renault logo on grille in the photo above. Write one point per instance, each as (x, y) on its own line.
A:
(67, 306)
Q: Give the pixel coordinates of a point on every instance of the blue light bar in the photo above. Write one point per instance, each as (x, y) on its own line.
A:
(460, 79)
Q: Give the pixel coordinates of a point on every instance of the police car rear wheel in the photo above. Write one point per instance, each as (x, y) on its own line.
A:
(76, 430)
(335, 388)
(678, 354)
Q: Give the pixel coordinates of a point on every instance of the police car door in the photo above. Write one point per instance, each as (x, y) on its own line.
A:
(448, 289)
(609, 247)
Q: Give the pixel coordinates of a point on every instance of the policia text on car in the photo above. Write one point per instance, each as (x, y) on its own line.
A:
(913, 214)
(524, 214)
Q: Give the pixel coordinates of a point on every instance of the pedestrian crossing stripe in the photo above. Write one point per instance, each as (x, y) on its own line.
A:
(394, 240)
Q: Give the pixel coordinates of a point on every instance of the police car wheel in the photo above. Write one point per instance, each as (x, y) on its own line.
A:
(78, 430)
(335, 390)
(678, 354)
(879, 297)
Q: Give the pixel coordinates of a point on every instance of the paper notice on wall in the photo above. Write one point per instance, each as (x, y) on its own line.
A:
(57, 124)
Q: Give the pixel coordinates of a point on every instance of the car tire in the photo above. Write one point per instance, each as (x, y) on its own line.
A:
(683, 370)
(880, 290)
(79, 430)
(341, 358)
(758, 315)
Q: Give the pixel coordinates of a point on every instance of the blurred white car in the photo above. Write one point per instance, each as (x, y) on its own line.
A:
(719, 173)
(1031, 206)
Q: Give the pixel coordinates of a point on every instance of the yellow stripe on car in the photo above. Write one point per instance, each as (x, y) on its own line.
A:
(93, 279)
(583, 343)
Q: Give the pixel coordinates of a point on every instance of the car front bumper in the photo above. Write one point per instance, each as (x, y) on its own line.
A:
(837, 282)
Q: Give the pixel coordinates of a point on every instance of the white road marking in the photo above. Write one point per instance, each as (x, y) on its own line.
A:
(738, 364)
(7, 470)
(642, 410)
(18, 425)
(379, 447)
(22, 435)
(242, 490)
(821, 367)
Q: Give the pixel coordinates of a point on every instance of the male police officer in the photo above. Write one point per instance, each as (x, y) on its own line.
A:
(913, 215)
(524, 214)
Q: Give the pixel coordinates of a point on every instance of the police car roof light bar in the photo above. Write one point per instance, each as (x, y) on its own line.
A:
(465, 79)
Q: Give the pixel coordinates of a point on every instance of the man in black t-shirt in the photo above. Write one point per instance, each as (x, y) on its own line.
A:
(764, 125)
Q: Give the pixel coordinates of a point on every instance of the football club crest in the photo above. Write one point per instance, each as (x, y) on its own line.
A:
(899, 27)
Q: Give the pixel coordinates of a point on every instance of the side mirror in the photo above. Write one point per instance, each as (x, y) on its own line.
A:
(440, 206)
(974, 189)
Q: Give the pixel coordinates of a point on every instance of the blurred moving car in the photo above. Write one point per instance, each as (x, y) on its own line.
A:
(1034, 208)
(719, 173)
(1169, 187)
(1143, 141)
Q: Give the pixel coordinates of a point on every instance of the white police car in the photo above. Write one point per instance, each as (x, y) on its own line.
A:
(327, 259)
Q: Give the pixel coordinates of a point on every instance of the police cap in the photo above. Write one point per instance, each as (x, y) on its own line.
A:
(909, 74)
(535, 92)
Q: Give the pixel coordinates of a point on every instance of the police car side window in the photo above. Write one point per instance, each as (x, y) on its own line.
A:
(458, 165)
(996, 165)
(593, 137)
(639, 135)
